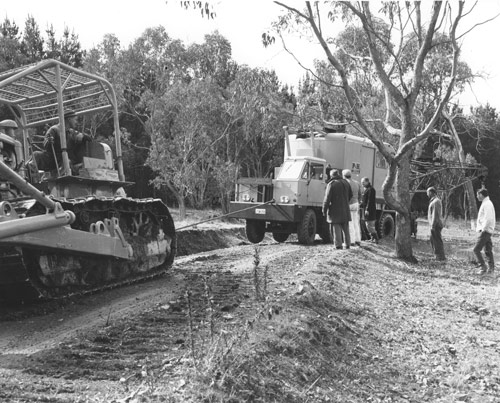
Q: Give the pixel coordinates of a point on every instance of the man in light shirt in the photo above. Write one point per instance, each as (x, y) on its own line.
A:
(354, 224)
(485, 226)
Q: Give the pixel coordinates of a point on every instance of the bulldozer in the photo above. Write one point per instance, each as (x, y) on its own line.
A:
(66, 232)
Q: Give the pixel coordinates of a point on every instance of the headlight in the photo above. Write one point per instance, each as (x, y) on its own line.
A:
(284, 199)
(245, 197)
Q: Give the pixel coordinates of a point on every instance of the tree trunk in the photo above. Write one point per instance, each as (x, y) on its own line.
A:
(404, 249)
(180, 200)
(224, 202)
(471, 204)
(182, 208)
(469, 189)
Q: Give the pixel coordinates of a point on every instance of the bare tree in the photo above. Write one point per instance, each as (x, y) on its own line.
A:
(400, 74)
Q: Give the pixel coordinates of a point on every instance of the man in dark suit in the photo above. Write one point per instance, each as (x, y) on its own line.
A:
(435, 219)
(51, 157)
(369, 209)
(336, 208)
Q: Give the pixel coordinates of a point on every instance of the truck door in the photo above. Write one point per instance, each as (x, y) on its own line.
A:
(316, 186)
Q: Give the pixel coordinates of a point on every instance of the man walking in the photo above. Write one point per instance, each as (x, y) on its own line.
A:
(485, 226)
(354, 227)
(336, 208)
(435, 218)
(369, 208)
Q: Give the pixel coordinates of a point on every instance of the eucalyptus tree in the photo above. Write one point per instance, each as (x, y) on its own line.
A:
(173, 98)
(104, 60)
(183, 125)
(257, 107)
(399, 74)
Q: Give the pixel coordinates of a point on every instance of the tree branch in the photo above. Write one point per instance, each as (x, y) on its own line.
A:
(368, 27)
(422, 54)
(456, 53)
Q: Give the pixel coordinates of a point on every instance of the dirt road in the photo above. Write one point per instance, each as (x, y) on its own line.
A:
(38, 341)
(29, 329)
(334, 326)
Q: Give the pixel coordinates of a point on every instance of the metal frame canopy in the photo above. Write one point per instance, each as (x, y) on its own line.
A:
(40, 93)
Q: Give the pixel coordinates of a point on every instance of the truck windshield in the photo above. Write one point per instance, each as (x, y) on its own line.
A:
(291, 170)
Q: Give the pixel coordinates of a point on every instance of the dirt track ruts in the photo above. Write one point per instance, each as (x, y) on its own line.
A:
(30, 329)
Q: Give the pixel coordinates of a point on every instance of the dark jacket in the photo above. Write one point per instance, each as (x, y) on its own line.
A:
(336, 201)
(74, 143)
(368, 204)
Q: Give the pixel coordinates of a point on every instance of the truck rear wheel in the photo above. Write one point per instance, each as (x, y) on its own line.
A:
(280, 236)
(306, 230)
(255, 230)
(386, 225)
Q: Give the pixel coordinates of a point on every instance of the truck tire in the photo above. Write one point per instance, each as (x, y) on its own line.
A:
(255, 230)
(280, 236)
(386, 225)
(325, 232)
(306, 230)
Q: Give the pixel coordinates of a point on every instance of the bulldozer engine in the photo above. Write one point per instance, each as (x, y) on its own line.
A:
(72, 230)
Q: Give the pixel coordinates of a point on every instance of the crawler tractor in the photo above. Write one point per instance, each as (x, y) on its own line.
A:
(63, 232)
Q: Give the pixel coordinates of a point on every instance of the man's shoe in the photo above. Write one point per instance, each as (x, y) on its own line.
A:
(338, 247)
(483, 270)
(357, 243)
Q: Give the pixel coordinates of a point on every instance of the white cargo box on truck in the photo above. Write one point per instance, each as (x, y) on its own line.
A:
(343, 151)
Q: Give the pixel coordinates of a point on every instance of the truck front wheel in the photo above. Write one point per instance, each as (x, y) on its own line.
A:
(255, 230)
(306, 230)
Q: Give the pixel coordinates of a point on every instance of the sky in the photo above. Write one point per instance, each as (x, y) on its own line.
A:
(242, 23)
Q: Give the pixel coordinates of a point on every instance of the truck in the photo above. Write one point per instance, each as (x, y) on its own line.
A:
(64, 232)
(291, 202)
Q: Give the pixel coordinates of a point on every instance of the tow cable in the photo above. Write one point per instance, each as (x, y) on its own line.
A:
(225, 215)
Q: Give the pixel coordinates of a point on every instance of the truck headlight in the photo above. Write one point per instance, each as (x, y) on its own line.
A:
(284, 199)
(245, 197)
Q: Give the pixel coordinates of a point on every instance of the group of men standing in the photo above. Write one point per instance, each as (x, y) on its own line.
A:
(485, 227)
(343, 202)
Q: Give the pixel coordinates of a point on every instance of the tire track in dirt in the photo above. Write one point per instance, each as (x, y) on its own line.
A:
(118, 330)
(27, 330)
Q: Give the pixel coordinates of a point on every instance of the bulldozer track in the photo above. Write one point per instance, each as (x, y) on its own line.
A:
(29, 272)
